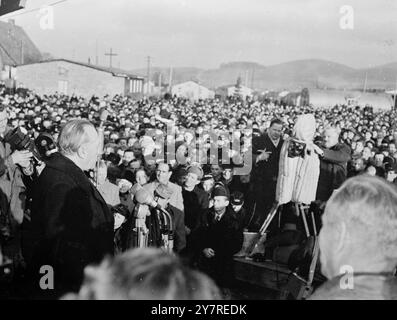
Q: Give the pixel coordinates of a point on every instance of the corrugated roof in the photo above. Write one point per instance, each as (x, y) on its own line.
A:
(114, 71)
(14, 42)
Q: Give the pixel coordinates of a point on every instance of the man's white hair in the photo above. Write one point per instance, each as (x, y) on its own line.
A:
(368, 207)
(73, 135)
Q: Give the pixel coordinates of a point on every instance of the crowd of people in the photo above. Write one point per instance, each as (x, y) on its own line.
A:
(188, 177)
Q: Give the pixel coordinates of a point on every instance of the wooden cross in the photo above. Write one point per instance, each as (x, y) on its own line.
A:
(111, 55)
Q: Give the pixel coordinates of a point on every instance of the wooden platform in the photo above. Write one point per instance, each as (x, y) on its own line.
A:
(266, 274)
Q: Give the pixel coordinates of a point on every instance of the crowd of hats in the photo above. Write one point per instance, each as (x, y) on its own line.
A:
(141, 121)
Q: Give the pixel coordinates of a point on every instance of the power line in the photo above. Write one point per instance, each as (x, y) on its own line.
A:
(35, 9)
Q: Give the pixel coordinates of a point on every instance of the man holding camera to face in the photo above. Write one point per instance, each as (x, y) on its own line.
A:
(13, 165)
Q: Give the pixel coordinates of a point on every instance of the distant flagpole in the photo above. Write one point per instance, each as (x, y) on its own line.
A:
(395, 96)
(170, 79)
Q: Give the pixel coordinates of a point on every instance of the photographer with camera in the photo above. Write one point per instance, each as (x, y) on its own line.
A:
(14, 164)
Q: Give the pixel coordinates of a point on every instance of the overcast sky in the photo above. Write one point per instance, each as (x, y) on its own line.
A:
(205, 33)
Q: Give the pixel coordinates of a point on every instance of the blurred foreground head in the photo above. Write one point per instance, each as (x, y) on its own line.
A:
(359, 228)
(145, 274)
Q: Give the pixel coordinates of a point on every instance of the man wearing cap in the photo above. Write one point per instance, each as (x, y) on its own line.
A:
(237, 202)
(162, 195)
(220, 238)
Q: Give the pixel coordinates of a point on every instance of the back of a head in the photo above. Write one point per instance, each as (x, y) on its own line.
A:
(146, 274)
(73, 135)
(365, 210)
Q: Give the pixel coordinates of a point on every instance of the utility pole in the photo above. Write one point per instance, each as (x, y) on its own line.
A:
(96, 52)
(395, 97)
(111, 55)
(246, 78)
(170, 80)
(252, 78)
(148, 75)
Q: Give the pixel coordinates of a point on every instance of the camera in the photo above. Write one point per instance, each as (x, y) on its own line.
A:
(42, 147)
(19, 140)
(296, 149)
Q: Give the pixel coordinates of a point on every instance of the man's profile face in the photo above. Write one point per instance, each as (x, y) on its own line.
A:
(275, 131)
(331, 137)
(102, 174)
(91, 148)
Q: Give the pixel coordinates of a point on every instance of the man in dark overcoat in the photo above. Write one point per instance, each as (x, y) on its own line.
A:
(72, 225)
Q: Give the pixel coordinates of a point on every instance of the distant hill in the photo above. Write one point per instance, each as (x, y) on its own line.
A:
(293, 75)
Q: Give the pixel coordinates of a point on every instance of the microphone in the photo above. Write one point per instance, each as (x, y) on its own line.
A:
(142, 196)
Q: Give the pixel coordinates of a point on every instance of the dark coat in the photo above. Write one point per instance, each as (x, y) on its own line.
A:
(265, 173)
(333, 170)
(266, 170)
(179, 234)
(71, 224)
(196, 204)
(226, 239)
(264, 177)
